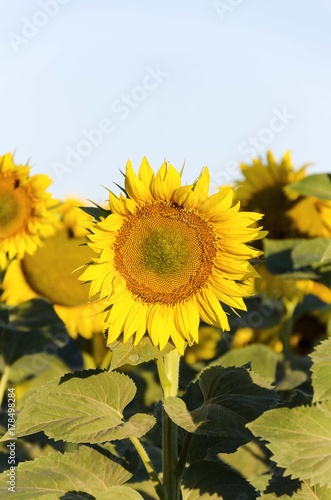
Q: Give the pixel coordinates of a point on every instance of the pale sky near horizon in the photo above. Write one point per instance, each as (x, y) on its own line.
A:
(86, 85)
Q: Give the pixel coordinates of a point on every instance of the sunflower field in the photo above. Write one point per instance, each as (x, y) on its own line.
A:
(170, 344)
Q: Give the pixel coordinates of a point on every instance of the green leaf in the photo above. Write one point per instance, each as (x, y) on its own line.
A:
(215, 428)
(261, 312)
(306, 492)
(321, 371)
(298, 258)
(214, 420)
(263, 360)
(83, 409)
(322, 492)
(317, 185)
(128, 354)
(311, 253)
(96, 212)
(281, 484)
(32, 365)
(220, 403)
(48, 478)
(326, 257)
(178, 412)
(206, 480)
(233, 388)
(291, 379)
(40, 368)
(116, 492)
(146, 488)
(251, 460)
(278, 255)
(300, 440)
(32, 327)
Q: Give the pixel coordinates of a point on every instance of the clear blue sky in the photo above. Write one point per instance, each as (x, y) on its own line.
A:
(85, 85)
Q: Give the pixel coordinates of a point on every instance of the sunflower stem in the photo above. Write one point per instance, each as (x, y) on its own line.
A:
(4, 382)
(168, 368)
(183, 454)
(159, 488)
(287, 324)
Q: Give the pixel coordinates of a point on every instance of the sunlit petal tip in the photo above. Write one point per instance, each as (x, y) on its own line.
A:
(135, 187)
(270, 157)
(145, 173)
(203, 182)
(116, 204)
(179, 342)
(166, 180)
(287, 160)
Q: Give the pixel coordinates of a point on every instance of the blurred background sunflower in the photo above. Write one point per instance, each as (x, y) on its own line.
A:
(266, 190)
(288, 216)
(52, 271)
(26, 215)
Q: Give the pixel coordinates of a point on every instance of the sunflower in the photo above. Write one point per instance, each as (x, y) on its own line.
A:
(51, 272)
(206, 349)
(168, 255)
(25, 215)
(307, 331)
(288, 289)
(267, 336)
(265, 190)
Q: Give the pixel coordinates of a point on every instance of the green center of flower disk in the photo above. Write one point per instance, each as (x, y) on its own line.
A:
(15, 207)
(165, 253)
(50, 270)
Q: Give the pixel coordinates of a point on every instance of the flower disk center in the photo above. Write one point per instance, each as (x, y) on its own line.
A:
(165, 253)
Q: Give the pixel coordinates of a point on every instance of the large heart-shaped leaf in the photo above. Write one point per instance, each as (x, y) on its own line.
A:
(300, 440)
(85, 471)
(83, 410)
(321, 371)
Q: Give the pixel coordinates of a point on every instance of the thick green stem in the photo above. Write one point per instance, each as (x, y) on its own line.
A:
(171, 481)
(4, 382)
(160, 490)
(168, 368)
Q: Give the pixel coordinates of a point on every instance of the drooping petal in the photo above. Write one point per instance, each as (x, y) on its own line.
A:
(213, 310)
(159, 324)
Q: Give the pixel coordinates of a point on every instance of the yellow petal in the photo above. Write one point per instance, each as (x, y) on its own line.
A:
(165, 182)
(135, 188)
